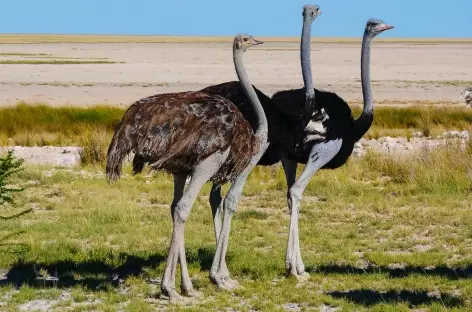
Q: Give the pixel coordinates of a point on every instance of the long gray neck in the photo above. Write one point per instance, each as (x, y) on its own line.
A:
(363, 123)
(365, 75)
(262, 131)
(305, 58)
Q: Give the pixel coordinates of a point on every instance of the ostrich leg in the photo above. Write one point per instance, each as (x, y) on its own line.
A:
(290, 170)
(215, 203)
(186, 285)
(320, 155)
(201, 174)
(219, 272)
(179, 185)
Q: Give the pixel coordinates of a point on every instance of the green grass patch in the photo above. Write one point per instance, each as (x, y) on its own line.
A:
(67, 57)
(53, 62)
(28, 125)
(25, 54)
(378, 234)
(454, 83)
(46, 125)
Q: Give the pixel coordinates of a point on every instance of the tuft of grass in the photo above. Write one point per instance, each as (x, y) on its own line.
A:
(94, 147)
(441, 169)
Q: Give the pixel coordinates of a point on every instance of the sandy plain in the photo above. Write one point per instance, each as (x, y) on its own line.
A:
(403, 72)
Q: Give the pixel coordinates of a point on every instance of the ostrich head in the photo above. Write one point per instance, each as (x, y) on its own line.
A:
(466, 96)
(375, 27)
(310, 12)
(243, 42)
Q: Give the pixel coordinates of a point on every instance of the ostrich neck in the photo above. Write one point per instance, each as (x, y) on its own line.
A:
(363, 123)
(305, 58)
(262, 131)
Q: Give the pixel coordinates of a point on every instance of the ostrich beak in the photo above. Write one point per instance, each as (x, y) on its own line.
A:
(256, 42)
(385, 27)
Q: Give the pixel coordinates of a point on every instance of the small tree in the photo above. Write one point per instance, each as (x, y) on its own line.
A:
(10, 165)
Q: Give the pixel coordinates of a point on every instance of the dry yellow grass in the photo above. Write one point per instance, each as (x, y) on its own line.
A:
(34, 38)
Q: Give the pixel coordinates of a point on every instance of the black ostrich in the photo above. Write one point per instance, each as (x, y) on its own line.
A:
(198, 135)
(307, 126)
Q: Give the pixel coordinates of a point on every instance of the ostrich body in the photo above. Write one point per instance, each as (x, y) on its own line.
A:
(198, 135)
(329, 135)
(466, 96)
(317, 128)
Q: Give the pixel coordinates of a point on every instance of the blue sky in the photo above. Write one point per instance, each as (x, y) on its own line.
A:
(340, 18)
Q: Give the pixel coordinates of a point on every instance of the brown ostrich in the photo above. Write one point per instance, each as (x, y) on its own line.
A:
(198, 135)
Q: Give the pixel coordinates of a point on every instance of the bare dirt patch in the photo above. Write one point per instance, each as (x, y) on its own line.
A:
(402, 71)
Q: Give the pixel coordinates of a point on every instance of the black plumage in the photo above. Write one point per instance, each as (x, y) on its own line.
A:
(288, 119)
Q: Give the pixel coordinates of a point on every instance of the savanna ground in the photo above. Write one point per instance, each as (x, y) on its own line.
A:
(381, 233)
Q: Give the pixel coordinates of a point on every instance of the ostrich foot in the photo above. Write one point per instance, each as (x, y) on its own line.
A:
(171, 294)
(302, 277)
(225, 282)
(191, 293)
(296, 268)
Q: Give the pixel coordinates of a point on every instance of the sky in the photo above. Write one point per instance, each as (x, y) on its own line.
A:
(340, 18)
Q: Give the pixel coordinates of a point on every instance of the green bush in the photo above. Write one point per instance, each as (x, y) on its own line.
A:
(9, 165)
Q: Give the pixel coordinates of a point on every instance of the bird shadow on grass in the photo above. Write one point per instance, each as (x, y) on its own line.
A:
(368, 297)
(95, 274)
(440, 271)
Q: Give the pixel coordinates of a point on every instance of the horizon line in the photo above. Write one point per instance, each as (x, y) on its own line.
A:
(13, 38)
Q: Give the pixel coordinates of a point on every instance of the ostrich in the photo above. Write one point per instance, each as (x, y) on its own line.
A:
(282, 127)
(306, 126)
(466, 96)
(198, 135)
(329, 136)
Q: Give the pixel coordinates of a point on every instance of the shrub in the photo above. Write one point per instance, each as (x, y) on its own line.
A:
(9, 165)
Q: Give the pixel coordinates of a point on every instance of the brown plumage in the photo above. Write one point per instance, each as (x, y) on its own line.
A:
(176, 131)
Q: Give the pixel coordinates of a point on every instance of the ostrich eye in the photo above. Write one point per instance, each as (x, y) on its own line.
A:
(312, 13)
(245, 39)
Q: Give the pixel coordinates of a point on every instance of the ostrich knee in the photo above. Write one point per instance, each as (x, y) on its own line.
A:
(231, 203)
(294, 196)
(182, 211)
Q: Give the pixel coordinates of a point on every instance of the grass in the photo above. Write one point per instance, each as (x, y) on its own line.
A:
(68, 57)
(53, 62)
(33, 38)
(57, 84)
(379, 234)
(439, 83)
(45, 125)
(30, 125)
(26, 54)
(88, 84)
